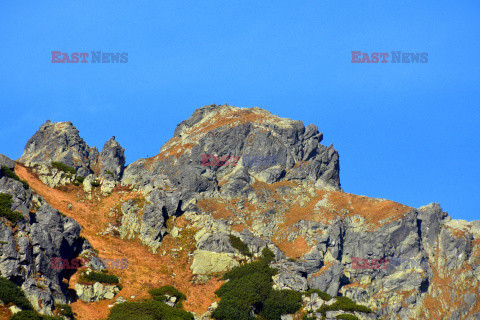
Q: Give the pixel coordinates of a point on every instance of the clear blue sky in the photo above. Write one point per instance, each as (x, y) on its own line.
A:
(406, 132)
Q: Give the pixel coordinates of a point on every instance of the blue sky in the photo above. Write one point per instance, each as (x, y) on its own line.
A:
(405, 132)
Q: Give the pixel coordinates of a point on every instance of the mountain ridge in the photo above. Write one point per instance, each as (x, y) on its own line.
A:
(178, 205)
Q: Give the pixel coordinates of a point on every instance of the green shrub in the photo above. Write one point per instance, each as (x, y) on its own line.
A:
(93, 276)
(66, 310)
(147, 310)
(307, 317)
(95, 183)
(109, 172)
(6, 209)
(347, 317)
(26, 315)
(63, 167)
(9, 173)
(323, 295)
(232, 309)
(250, 288)
(268, 255)
(238, 244)
(11, 293)
(32, 315)
(159, 294)
(79, 179)
(281, 302)
(344, 304)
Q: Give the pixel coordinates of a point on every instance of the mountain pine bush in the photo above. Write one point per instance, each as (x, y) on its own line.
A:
(9, 173)
(249, 289)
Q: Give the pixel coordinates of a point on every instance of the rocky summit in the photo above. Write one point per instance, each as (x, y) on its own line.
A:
(240, 215)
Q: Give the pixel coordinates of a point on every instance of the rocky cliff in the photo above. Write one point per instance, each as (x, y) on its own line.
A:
(61, 142)
(32, 239)
(231, 173)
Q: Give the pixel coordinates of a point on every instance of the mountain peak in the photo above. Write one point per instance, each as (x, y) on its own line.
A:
(243, 144)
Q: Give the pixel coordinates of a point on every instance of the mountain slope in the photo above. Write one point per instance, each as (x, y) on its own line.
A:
(231, 173)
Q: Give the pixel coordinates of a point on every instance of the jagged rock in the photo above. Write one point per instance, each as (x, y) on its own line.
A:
(96, 292)
(27, 250)
(312, 303)
(291, 201)
(271, 175)
(52, 177)
(206, 262)
(107, 184)
(290, 276)
(112, 159)
(218, 242)
(14, 309)
(87, 183)
(151, 228)
(456, 250)
(6, 161)
(286, 140)
(329, 280)
(60, 142)
(431, 218)
(255, 244)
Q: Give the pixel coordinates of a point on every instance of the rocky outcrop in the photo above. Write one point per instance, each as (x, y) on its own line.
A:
(28, 246)
(111, 160)
(220, 142)
(96, 291)
(53, 177)
(221, 151)
(147, 218)
(270, 182)
(59, 142)
(6, 161)
(207, 262)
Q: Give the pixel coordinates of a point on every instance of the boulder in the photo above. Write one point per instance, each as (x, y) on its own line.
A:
(96, 292)
(207, 262)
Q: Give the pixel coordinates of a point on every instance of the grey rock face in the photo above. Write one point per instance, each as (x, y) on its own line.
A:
(329, 281)
(255, 244)
(431, 218)
(27, 250)
(112, 159)
(151, 228)
(59, 142)
(202, 154)
(290, 276)
(6, 161)
(259, 167)
(218, 242)
(217, 151)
